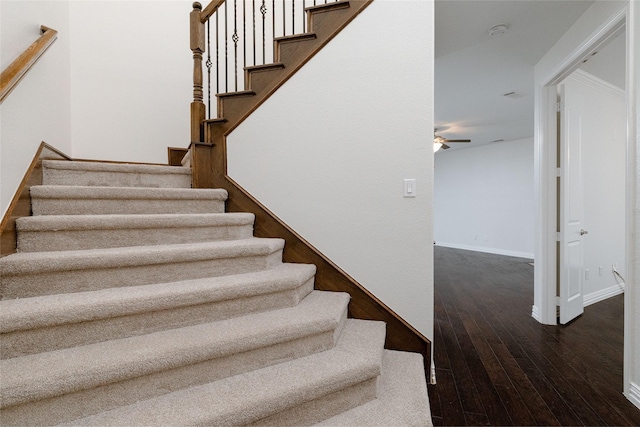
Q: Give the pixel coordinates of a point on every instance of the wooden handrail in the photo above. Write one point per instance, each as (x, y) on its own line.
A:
(210, 10)
(18, 68)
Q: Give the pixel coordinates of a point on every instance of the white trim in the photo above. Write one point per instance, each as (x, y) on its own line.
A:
(535, 312)
(483, 249)
(591, 44)
(634, 394)
(596, 82)
(603, 294)
(631, 316)
(432, 377)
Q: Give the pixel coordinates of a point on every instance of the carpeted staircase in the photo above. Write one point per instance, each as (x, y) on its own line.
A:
(135, 300)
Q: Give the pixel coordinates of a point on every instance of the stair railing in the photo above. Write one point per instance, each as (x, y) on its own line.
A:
(235, 34)
(12, 75)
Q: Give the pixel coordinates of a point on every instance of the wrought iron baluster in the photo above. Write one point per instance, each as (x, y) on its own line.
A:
(293, 16)
(217, 54)
(244, 34)
(263, 10)
(284, 9)
(226, 48)
(304, 21)
(235, 44)
(209, 64)
(253, 13)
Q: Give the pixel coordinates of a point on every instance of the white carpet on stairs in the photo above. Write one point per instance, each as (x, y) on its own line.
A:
(136, 300)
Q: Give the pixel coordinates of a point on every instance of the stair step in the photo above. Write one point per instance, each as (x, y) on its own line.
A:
(261, 78)
(102, 174)
(289, 49)
(72, 232)
(402, 396)
(233, 103)
(299, 392)
(79, 200)
(75, 382)
(52, 322)
(45, 273)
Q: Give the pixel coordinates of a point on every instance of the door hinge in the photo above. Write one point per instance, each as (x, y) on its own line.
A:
(558, 237)
(557, 301)
(558, 107)
(558, 172)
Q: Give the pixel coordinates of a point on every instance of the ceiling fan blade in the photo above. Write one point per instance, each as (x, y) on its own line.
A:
(457, 140)
(445, 147)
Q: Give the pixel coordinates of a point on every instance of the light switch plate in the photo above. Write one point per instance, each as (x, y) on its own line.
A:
(409, 188)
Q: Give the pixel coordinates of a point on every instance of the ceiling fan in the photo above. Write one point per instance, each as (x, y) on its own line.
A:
(440, 142)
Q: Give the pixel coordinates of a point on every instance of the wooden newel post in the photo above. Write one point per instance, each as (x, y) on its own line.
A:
(198, 108)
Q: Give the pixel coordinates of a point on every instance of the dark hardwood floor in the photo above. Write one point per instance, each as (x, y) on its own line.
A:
(496, 365)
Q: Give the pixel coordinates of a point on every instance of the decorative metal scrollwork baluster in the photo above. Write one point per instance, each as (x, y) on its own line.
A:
(235, 39)
(209, 65)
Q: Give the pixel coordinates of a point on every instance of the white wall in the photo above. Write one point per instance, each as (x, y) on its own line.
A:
(483, 198)
(39, 108)
(116, 85)
(329, 151)
(131, 69)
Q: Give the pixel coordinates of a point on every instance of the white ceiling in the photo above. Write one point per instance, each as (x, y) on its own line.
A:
(474, 70)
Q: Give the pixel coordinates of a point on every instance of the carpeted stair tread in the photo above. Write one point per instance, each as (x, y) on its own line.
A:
(57, 172)
(270, 394)
(45, 273)
(45, 375)
(50, 322)
(69, 232)
(402, 396)
(82, 200)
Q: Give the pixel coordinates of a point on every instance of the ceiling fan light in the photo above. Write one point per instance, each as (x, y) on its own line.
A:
(437, 146)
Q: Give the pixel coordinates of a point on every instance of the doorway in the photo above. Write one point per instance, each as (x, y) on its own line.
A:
(591, 180)
(551, 74)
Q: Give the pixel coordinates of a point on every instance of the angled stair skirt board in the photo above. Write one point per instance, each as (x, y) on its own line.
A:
(136, 300)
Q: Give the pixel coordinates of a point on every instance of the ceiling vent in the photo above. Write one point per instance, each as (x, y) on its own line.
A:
(513, 94)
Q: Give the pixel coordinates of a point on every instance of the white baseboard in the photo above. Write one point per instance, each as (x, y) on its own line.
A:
(634, 394)
(506, 252)
(535, 313)
(603, 294)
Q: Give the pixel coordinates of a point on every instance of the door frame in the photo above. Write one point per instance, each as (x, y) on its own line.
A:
(546, 154)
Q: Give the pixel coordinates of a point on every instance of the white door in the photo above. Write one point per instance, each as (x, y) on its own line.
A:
(572, 232)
